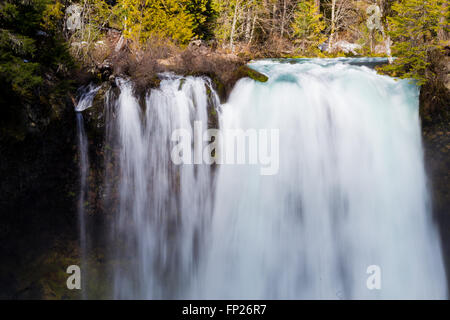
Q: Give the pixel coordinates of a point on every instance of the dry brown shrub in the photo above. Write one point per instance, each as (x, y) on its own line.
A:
(160, 55)
(220, 66)
(274, 46)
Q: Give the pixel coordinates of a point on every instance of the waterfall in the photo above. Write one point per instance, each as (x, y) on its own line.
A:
(163, 208)
(84, 169)
(86, 96)
(350, 193)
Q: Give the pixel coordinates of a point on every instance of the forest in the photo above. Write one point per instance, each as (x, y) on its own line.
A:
(410, 30)
(47, 45)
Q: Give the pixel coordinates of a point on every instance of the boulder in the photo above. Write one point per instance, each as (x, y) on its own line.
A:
(346, 47)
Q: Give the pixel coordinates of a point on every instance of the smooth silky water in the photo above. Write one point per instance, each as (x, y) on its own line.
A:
(351, 190)
(165, 210)
(85, 97)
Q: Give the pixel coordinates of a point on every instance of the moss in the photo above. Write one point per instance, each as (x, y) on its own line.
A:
(46, 277)
(246, 71)
(219, 87)
(182, 81)
(154, 82)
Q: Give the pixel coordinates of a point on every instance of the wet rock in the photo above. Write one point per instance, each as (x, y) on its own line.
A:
(106, 70)
(437, 148)
(245, 71)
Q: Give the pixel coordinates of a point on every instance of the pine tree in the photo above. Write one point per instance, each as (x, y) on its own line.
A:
(308, 26)
(414, 25)
(27, 30)
(204, 14)
(142, 19)
(30, 46)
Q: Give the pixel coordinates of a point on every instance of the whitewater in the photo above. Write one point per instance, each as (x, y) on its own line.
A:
(350, 192)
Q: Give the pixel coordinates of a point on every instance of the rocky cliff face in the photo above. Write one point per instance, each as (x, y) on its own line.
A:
(436, 142)
(435, 115)
(37, 192)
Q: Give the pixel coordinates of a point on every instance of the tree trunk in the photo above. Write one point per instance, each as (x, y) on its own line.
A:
(233, 26)
(387, 42)
(442, 34)
(253, 29)
(274, 11)
(333, 24)
(248, 24)
(386, 37)
(283, 18)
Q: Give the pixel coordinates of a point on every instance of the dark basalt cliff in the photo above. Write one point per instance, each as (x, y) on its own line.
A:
(435, 116)
(38, 215)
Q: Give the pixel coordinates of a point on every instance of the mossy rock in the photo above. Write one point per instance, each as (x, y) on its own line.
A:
(223, 85)
(154, 82)
(142, 83)
(46, 277)
(246, 71)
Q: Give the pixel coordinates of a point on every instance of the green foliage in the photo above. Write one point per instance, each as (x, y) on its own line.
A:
(28, 43)
(52, 16)
(225, 11)
(308, 26)
(143, 19)
(15, 70)
(413, 28)
(17, 47)
(204, 15)
(30, 46)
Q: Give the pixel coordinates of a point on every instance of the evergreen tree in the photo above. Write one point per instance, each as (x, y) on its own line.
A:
(142, 19)
(413, 27)
(308, 26)
(30, 46)
(204, 15)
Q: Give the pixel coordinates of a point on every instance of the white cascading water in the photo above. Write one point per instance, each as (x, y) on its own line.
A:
(86, 96)
(84, 169)
(350, 192)
(164, 209)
